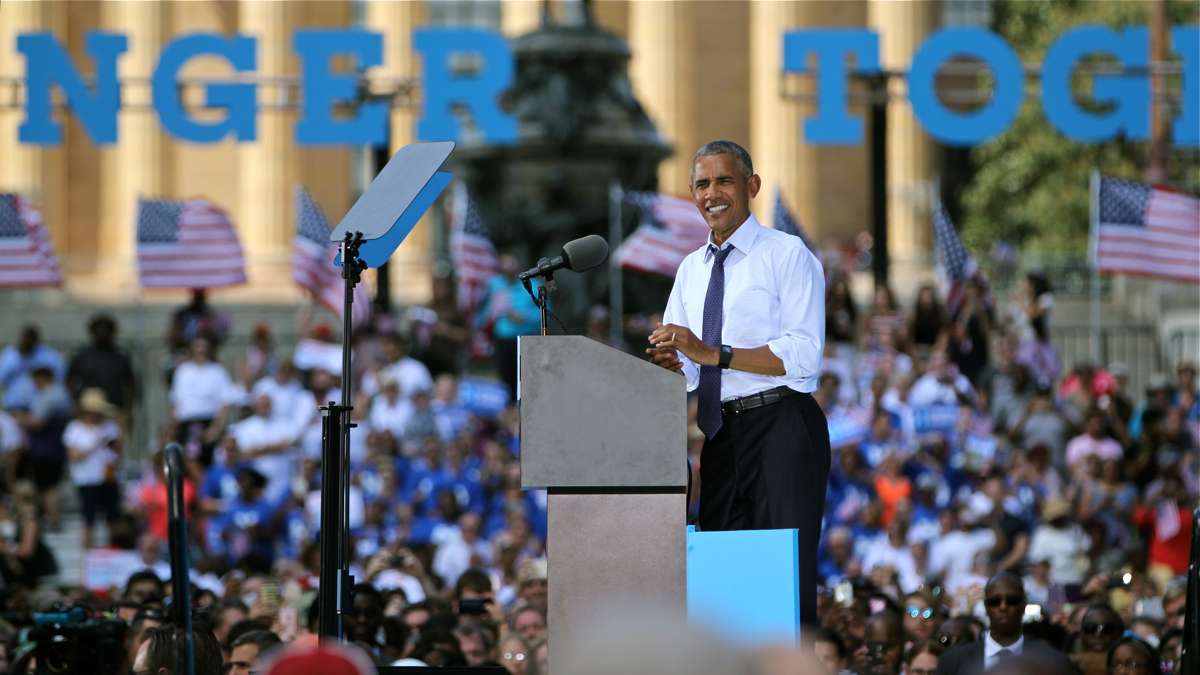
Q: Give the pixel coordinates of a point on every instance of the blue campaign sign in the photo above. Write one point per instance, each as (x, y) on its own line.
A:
(1128, 95)
(745, 584)
(940, 419)
(486, 398)
(1123, 97)
(964, 128)
(48, 65)
(831, 47)
(846, 429)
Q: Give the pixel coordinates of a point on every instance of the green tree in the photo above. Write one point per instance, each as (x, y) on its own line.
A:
(1030, 184)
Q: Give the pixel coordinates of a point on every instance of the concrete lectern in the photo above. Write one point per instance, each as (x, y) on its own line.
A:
(606, 434)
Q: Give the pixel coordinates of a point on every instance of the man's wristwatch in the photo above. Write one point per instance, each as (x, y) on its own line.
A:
(726, 356)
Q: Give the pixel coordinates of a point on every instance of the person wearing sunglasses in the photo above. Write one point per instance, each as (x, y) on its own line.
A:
(1004, 600)
(921, 617)
(1101, 629)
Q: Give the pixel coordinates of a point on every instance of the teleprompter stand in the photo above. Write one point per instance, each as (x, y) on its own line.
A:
(336, 581)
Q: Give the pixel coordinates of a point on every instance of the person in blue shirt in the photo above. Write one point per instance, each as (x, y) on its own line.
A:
(510, 312)
(245, 528)
(17, 363)
(220, 485)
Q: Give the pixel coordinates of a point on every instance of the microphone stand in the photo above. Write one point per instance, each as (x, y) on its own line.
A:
(542, 298)
(181, 588)
(333, 595)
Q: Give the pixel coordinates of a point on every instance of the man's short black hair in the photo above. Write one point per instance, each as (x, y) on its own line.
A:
(723, 147)
(144, 575)
(823, 635)
(99, 321)
(166, 642)
(1006, 577)
(263, 639)
(244, 627)
(473, 579)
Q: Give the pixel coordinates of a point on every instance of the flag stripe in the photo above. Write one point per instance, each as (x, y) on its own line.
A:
(671, 229)
(471, 250)
(313, 267)
(1149, 231)
(187, 244)
(27, 258)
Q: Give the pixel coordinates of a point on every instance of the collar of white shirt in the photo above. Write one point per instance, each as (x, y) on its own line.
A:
(742, 239)
(991, 648)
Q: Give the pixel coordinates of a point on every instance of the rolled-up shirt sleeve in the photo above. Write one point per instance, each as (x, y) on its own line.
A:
(801, 314)
(676, 314)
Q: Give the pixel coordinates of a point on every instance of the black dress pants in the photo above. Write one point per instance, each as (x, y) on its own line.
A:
(767, 468)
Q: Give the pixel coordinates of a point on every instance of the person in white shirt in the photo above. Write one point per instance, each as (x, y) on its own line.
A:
(941, 384)
(952, 554)
(200, 389)
(269, 444)
(390, 410)
(93, 442)
(1060, 541)
(290, 401)
(460, 548)
(412, 375)
(893, 550)
(745, 324)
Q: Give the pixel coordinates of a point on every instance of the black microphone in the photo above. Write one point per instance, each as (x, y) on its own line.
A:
(579, 255)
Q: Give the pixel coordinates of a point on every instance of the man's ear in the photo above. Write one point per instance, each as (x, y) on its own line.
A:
(755, 184)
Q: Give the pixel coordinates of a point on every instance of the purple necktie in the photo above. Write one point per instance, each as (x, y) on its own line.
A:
(709, 413)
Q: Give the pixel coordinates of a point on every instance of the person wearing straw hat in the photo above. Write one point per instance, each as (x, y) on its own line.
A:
(93, 442)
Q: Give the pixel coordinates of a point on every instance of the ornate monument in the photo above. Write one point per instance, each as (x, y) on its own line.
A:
(580, 128)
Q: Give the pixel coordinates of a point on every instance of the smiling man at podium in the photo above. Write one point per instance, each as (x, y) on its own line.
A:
(756, 298)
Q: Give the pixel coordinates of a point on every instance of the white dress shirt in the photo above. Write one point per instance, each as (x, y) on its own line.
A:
(774, 296)
(198, 391)
(991, 649)
(257, 432)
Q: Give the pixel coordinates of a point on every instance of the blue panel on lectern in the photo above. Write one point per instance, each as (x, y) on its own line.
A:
(744, 584)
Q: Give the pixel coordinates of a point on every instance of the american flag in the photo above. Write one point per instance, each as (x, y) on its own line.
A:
(312, 262)
(1146, 230)
(787, 223)
(472, 252)
(672, 228)
(26, 257)
(955, 264)
(188, 244)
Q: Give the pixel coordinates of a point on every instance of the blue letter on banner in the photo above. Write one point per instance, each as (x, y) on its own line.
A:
(1187, 45)
(46, 64)
(957, 128)
(481, 93)
(323, 88)
(238, 98)
(832, 124)
(1130, 94)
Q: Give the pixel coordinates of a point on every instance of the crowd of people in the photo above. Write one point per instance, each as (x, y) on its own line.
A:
(979, 490)
(963, 452)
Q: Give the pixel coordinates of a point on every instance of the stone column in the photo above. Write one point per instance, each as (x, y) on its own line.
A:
(827, 187)
(139, 164)
(36, 171)
(269, 167)
(660, 38)
(912, 156)
(411, 266)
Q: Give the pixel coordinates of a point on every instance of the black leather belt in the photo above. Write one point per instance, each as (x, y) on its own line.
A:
(758, 400)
